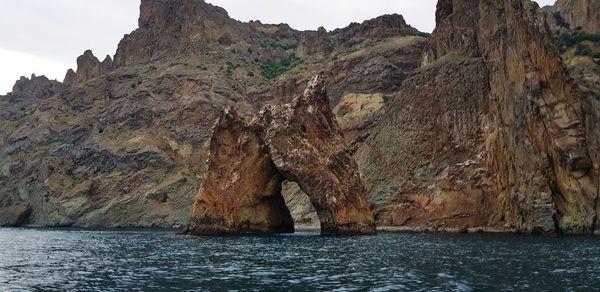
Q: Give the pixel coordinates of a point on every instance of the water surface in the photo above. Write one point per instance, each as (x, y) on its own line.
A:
(83, 260)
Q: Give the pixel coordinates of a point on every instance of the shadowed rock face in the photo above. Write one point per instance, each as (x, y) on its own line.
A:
(584, 13)
(531, 167)
(242, 191)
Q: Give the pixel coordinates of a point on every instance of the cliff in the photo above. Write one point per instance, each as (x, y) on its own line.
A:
(125, 144)
(478, 126)
(513, 152)
(580, 13)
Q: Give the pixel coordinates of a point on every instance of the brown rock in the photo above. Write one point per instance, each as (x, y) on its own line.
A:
(88, 67)
(313, 42)
(421, 162)
(384, 26)
(583, 13)
(533, 146)
(37, 87)
(14, 215)
(242, 191)
(307, 147)
(70, 78)
(140, 131)
(300, 142)
(172, 26)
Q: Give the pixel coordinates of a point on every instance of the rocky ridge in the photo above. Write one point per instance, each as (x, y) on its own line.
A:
(88, 67)
(580, 13)
(125, 145)
(515, 150)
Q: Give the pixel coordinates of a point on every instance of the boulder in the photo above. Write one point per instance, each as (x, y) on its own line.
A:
(14, 215)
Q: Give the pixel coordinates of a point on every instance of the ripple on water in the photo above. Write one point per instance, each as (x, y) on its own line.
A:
(83, 260)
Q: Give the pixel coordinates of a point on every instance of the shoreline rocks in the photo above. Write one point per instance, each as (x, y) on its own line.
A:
(242, 191)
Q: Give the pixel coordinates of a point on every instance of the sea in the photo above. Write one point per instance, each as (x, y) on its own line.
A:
(161, 260)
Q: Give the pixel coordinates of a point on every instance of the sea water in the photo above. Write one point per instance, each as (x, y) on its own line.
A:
(157, 260)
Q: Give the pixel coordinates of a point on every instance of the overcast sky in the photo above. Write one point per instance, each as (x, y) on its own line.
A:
(46, 36)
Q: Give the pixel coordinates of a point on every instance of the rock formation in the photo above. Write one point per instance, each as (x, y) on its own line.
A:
(580, 13)
(377, 28)
(529, 165)
(174, 26)
(307, 147)
(88, 67)
(127, 147)
(36, 87)
(242, 191)
(477, 126)
(313, 42)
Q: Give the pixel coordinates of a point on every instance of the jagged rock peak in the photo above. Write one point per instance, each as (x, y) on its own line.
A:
(172, 26)
(307, 147)
(242, 191)
(380, 27)
(385, 26)
(36, 87)
(88, 67)
(159, 14)
(248, 161)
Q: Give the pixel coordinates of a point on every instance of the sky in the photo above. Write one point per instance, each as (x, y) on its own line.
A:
(45, 37)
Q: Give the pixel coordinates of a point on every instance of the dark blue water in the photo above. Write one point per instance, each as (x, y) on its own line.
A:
(86, 260)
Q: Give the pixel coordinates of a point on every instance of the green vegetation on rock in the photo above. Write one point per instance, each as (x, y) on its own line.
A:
(281, 45)
(271, 70)
(571, 39)
(560, 21)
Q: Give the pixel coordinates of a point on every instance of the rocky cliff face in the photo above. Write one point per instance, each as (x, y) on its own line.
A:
(300, 142)
(172, 27)
(478, 126)
(242, 191)
(127, 146)
(37, 87)
(307, 147)
(88, 67)
(580, 13)
(26, 93)
(529, 149)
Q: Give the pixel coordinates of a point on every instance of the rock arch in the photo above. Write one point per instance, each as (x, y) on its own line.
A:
(248, 161)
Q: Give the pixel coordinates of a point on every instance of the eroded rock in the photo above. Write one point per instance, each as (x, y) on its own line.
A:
(36, 87)
(580, 13)
(14, 215)
(88, 67)
(242, 191)
(306, 144)
(300, 142)
(532, 157)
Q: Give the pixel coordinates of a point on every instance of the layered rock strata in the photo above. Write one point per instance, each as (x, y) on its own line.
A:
(528, 156)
